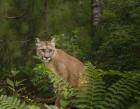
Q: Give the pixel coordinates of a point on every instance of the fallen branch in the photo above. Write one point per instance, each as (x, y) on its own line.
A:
(13, 17)
(44, 99)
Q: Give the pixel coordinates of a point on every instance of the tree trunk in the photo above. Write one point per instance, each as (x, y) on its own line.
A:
(96, 12)
(95, 20)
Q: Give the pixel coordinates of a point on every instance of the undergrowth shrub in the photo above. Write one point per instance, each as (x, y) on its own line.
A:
(42, 84)
(96, 94)
(94, 91)
(61, 87)
(10, 102)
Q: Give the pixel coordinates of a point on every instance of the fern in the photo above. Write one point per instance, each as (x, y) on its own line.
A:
(94, 93)
(136, 105)
(92, 90)
(11, 103)
(7, 102)
(121, 94)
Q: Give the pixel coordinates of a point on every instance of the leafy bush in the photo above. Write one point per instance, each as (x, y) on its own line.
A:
(117, 37)
(11, 103)
(8, 102)
(42, 84)
(15, 87)
(119, 50)
(73, 45)
(61, 87)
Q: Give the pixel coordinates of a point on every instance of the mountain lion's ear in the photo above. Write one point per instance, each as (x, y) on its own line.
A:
(37, 40)
(53, 42)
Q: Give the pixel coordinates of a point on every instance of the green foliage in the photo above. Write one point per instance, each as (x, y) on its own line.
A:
(95, 94)
(18, 34)
(52, 107)
(115, 42)
(72, 45)
(61, 86)
(71, 25)
(11, 103)
(14, 86)
(114, 45)
(117, 36)
(136, 105)
(68, 16)
(8, 102)
(33, 107)
(42, 84)
(121, 94)
(92, 90)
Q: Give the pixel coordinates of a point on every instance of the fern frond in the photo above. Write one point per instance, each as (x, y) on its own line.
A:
(91, 93)
(11, 103)
(95, 94)
(120, 94)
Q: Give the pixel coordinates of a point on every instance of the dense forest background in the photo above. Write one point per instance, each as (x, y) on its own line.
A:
(106, 33)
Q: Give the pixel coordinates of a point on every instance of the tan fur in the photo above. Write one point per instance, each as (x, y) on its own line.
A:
(63, 64)
(66, 66)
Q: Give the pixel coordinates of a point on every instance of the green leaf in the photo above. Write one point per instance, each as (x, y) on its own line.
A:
(10, 82)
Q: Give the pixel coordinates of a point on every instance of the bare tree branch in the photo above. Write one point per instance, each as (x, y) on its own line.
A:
(13, 17)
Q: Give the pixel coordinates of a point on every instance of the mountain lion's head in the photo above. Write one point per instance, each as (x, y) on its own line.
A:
(45, 49)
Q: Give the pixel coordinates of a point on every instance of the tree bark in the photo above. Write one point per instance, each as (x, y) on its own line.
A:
(95, 20)
(96, 11)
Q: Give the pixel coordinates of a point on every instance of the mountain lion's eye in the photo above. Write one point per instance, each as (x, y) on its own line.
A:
(43, 50)
(50, 50)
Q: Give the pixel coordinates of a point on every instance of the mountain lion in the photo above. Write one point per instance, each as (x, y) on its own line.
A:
(58, 61)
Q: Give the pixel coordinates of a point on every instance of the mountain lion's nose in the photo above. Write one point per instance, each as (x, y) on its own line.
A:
(46, 56)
